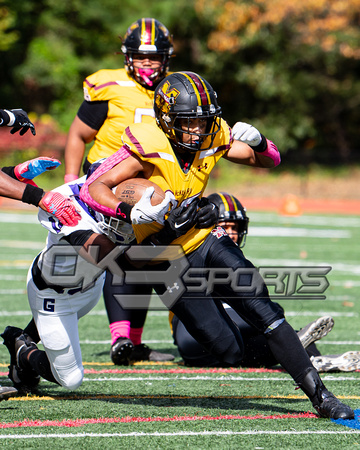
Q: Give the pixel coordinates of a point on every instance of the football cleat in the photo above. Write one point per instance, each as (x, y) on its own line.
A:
(25, 379)
(121, 350)
(6, 392)
(142, 352)
(315, 330)
(333, 408)
(346, 362)
(325, 403)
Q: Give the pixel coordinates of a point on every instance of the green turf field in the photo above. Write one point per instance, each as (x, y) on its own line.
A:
(165, 406)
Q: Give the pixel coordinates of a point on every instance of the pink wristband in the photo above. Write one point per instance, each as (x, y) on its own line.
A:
(272, 152)
(70, 177)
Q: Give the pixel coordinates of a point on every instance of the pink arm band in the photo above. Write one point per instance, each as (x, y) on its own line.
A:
(272, 152)
(108, 164)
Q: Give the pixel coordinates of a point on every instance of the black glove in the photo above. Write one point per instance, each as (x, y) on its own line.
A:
(179, 222)
(208, 214)
(22, 122)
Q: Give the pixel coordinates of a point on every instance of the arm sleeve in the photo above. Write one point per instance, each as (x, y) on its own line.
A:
(93, 114)
(78, 237)
(108, 164)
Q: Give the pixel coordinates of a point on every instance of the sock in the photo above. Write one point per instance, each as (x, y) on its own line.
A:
(135, 335)
(119, 329)
(38, 361)
(286, 347)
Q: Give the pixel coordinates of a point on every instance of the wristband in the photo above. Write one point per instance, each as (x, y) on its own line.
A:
(9, 171)
(272, 152)
(70, 177)
(123, 211)
(32, 195)
(260, 148)
(11, 118)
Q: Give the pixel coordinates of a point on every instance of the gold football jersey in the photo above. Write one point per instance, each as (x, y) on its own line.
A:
(129, 102)
(150, 144)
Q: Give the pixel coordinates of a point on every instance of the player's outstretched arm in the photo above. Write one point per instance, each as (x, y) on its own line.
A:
(251, 148)
(11, 188)
(52, 202)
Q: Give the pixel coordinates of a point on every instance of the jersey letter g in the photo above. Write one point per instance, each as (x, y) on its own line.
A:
(49, 304)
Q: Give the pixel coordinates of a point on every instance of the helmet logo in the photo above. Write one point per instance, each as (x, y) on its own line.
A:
(166, 97)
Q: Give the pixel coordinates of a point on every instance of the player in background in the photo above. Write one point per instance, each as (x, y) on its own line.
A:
(112, 100)
(179, 156)
(234, 220)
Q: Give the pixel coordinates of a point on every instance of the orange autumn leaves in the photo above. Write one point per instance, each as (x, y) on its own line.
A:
(333, 25)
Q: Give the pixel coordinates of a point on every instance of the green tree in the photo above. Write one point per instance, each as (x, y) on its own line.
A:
(290, 68)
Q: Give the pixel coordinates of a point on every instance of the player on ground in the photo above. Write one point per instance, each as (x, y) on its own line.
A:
(179, 156)
(234, 220)
(16, 183)
(113, 100)
(64, 283)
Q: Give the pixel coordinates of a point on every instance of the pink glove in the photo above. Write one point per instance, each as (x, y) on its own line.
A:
(70, 177)
(28, 170)
(61, 207)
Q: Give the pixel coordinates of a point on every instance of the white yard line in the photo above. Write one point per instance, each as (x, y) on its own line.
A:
(179, 433)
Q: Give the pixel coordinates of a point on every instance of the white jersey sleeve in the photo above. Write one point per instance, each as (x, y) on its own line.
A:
(59, 261)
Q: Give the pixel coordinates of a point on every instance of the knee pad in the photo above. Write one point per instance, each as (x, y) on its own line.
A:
(71, 380)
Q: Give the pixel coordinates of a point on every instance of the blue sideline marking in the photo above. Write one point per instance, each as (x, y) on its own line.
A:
(354, 423)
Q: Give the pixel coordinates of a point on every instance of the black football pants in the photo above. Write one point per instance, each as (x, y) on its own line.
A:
(209, 324)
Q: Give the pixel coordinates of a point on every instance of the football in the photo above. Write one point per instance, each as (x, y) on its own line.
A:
(131, 191)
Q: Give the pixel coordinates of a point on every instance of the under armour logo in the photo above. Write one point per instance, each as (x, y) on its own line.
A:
(170, 289)
(201, 167)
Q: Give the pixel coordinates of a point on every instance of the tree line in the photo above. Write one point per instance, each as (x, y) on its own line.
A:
(289, 68)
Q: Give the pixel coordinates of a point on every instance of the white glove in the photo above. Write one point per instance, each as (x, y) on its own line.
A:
(246, 133)
(144, 212)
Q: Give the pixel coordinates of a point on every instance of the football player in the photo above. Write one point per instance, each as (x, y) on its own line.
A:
(234, 220)
(64, 283)
(112, 100)
(179, 155)
(16, 183)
